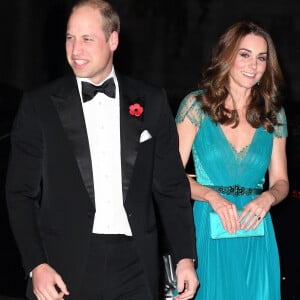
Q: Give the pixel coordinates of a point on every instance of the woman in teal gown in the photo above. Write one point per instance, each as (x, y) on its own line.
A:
(231, 158)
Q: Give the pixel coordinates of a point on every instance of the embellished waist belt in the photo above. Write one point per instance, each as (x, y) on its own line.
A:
(235, 190)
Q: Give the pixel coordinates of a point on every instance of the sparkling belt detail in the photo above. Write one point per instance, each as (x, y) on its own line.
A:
(235, 190)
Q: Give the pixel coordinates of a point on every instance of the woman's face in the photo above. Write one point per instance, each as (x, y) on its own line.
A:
(250, 62)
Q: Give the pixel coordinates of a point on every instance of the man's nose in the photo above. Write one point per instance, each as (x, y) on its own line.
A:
(77, 47)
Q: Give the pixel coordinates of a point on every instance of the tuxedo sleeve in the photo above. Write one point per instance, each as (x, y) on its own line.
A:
(23, 184)
(171, 189)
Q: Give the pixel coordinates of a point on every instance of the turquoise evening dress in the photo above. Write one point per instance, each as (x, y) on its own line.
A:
(245, 268)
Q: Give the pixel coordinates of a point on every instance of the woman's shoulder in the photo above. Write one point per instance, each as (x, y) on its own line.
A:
(190, 107)
(280, 130)
(191, 99)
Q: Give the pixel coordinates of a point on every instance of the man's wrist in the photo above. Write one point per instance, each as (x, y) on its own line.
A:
(187, 260)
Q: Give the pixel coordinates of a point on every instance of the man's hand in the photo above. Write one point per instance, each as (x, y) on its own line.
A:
(47, 284)
(187, 281)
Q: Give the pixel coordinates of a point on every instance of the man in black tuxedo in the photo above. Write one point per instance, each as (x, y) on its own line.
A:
(93, 170)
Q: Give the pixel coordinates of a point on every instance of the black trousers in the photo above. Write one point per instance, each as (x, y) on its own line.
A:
(114, 271)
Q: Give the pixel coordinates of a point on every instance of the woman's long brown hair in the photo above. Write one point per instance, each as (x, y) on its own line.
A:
(266, 96)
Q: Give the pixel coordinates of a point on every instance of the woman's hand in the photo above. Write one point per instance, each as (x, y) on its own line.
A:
(227, 212)
(254, 212)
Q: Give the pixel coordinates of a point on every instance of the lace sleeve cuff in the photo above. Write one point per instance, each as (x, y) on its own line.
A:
(190, 108)
(281, 129)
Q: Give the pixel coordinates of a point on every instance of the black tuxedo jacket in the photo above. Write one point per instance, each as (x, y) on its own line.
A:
(49, 185)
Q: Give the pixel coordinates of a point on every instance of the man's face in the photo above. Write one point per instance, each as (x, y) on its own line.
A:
(89, 53)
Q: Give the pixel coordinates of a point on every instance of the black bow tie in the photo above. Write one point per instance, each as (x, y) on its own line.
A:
(89, 90)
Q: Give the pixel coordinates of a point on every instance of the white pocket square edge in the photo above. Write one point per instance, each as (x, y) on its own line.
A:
(145, 136)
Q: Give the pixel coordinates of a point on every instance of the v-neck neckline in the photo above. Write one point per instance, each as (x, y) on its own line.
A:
(242, 152)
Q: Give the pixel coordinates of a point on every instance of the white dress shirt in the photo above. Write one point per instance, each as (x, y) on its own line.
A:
(102, 119)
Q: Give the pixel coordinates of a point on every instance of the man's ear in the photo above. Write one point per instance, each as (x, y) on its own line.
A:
(114, 40)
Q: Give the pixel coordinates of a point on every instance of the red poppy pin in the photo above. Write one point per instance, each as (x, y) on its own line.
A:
(136, 109)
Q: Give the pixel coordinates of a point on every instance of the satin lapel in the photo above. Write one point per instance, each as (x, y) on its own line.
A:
(69, 108)
(131, 128)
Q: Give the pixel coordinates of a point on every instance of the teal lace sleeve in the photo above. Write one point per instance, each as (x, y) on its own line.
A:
(281, 130)
(190, 108)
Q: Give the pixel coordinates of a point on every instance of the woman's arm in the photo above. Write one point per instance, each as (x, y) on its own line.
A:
(225, 209)
(278, 177)
(278, 186)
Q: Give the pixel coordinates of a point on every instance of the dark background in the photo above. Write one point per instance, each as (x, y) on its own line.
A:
(165, 42)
